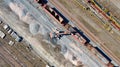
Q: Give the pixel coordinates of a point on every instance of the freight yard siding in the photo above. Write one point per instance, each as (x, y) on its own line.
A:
(46, 27)
(78, 31)
(73, 47)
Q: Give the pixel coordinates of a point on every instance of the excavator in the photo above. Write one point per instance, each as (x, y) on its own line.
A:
(59, 34)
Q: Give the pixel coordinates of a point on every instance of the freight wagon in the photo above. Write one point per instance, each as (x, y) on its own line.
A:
(59, 17)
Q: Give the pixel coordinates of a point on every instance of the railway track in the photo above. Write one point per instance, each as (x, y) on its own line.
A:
(19, 56)
(87, 32)
(9, 57)
(116, 59)
(107, 51)
(11, 51)
(3, 57)
(109, 17)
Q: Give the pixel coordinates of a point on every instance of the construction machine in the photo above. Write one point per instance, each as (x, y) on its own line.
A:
(58, 34)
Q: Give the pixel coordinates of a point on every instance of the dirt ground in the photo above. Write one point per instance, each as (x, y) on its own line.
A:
(36, 42)
(111, 41)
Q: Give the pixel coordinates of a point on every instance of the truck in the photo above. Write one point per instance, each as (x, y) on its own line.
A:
(16, 36)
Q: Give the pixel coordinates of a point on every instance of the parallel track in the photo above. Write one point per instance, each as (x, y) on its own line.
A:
(114, 23)
(103, 47)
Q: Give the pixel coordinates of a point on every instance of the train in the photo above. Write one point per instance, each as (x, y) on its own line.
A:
(106, 14)
(77, 34)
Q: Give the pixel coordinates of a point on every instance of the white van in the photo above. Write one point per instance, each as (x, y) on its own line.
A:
(6, 27)
(2, 35)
